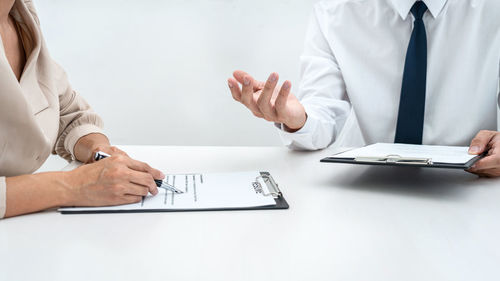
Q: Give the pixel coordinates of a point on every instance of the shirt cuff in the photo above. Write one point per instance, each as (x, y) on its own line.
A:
(3, 197)
(302, 137)
(76, 133)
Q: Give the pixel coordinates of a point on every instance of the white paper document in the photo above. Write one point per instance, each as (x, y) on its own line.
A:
(438, 154)
(201, 191)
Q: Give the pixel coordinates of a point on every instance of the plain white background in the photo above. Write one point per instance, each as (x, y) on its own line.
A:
(156, 71)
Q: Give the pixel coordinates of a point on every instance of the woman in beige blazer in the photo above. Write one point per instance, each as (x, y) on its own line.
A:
(40, 113)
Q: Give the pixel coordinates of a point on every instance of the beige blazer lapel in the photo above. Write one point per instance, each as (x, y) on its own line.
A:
(29, 78)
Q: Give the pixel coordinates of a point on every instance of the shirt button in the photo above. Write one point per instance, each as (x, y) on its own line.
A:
(37, 158)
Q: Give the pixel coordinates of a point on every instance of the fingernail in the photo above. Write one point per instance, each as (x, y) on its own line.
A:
(272, 77)
(474, 149)
(230, 85)
(246, 81)
(287, 85)
(162, 175)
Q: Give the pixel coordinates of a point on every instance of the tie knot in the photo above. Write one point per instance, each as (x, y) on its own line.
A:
(418, 10)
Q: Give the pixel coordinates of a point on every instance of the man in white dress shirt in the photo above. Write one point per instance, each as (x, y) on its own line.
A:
(382, 59)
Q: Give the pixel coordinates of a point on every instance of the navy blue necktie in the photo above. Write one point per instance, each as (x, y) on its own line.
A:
(410, 124)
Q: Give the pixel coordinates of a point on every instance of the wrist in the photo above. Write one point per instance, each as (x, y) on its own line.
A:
(296, 126)
(65, 195)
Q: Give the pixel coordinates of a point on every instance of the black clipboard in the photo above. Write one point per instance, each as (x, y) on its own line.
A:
(272, 187)
(396, 160)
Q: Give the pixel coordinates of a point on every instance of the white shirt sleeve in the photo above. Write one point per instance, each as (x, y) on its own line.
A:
(322, 91)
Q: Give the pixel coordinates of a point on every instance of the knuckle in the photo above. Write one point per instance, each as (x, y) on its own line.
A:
(118, 158)
(151, 179)
(121, 157)
(256, 114)
(113, 148)
(144, 166)
(122, 171)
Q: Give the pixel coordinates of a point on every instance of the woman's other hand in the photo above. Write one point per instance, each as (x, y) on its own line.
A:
(86, 147)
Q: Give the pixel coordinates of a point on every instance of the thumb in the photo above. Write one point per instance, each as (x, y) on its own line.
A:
(480, 142)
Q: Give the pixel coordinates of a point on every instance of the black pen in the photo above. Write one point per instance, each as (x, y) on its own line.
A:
(159, 183)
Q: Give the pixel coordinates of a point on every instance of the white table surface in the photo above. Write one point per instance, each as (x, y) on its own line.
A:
(344, 223)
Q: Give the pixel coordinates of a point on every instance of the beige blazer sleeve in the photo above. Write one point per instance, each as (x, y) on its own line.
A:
(76, 119)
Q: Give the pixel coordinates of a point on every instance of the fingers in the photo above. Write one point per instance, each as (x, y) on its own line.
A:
(264, 100)
(264, 104)
(143, 175)
(489, 165)
(488, 162)
(145, 180)
(129, 199)
(240, 75)
(489, 173)
(235, 89)
(135, 189)
(280, 103)
(480, 142)
(247, 96)
(143, 167)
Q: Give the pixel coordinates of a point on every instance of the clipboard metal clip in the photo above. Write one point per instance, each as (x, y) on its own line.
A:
(395, 159)
(272, 186)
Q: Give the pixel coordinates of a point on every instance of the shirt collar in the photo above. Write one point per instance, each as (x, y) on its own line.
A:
(403, 7)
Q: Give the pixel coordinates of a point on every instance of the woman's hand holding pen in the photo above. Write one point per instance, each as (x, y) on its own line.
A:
(265, 100)
(487, 142)
(112, 181)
